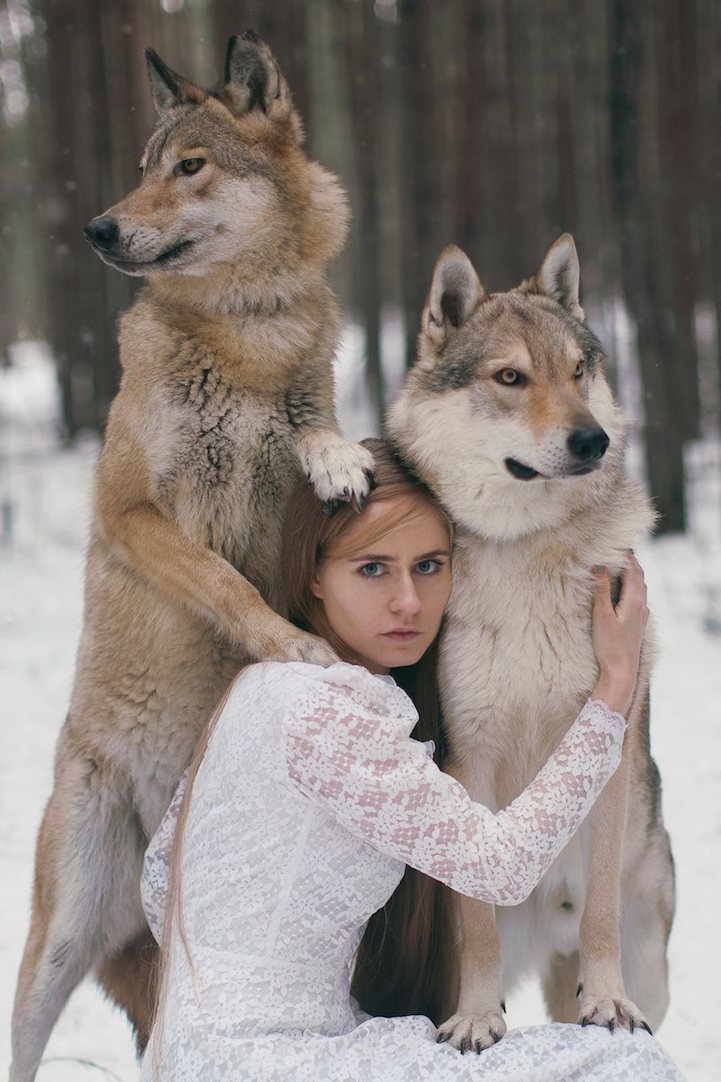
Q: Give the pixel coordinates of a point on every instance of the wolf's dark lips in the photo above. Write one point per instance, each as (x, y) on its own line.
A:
(523, 473)
(170, 253)
(132, 266)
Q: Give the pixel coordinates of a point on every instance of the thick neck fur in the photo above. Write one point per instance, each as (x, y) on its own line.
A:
(229, 291)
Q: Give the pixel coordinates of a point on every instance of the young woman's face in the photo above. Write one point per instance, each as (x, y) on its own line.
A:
(386, 603)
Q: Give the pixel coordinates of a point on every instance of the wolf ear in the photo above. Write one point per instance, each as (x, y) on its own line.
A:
(560, 274)
(252, 77)
(167, 87)
(455, 293)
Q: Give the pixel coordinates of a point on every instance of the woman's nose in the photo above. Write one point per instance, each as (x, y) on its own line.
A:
(405, 597)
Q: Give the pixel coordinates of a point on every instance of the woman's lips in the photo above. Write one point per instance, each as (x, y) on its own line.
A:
(402, 634)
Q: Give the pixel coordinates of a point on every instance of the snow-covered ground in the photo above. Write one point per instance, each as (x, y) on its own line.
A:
(40, 612)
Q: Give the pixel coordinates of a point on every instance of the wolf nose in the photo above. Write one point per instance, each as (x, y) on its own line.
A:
(588, 443)
(102, 232)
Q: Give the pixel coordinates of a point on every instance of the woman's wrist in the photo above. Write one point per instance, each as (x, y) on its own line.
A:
(614, 692)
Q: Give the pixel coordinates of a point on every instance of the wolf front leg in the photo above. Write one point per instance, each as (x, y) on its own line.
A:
(602, 992)
(339, 469)
(85, 898)
(198, 577)
(478, 1020)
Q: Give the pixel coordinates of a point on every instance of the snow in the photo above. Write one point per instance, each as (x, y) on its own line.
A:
(41, 588)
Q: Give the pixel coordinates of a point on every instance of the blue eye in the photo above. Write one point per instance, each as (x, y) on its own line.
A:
(371, 571)
(428, 567)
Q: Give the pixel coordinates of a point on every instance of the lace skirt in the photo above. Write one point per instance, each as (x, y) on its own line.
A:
(405, 1050)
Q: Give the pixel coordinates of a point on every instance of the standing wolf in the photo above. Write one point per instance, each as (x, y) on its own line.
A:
(226, 397)
(508, 418)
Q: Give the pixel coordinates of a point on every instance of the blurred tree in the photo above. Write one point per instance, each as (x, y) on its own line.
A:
(357, 33)
(653, 182)
(87, 135)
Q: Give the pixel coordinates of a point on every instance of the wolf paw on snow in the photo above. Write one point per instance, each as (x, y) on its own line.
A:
(340, 472)
(473, 1032)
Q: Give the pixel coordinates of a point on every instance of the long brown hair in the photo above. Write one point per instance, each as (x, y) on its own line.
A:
(406, 960)
(405, 963)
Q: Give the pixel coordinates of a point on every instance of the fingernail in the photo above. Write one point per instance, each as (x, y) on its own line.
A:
(598, 571)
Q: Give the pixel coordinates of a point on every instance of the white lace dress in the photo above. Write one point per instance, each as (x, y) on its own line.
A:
(310, 800)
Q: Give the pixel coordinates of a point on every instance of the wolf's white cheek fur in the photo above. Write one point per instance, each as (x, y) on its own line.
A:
(237, 219)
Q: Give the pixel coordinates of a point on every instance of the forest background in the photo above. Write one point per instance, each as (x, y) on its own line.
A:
(493, 124)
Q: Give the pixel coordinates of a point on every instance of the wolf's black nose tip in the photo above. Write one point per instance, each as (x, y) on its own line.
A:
(588, 443)
(102, 232)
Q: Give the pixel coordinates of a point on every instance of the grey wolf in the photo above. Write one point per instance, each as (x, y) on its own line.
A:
(226, 399)
(508, 417)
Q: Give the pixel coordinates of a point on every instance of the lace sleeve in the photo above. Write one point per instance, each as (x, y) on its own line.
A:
(345, 751)
(156, 865)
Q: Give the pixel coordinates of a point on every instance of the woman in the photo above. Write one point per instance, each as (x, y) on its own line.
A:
(309, 796)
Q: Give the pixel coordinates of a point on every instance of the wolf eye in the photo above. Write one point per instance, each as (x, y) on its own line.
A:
(188, 167)
(579, 370)
(510, 377)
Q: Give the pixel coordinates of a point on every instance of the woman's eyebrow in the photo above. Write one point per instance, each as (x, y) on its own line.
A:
(371, 557)
(378, 558)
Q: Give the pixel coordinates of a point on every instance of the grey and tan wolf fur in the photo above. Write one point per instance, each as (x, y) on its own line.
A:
(508, 417)
(226, 398)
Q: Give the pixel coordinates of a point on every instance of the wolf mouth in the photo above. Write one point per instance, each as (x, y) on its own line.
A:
(170, 253)
(130, 265)
(523, 473)
(527, 473)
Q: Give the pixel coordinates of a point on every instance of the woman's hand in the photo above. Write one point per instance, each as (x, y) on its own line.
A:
(617, 634)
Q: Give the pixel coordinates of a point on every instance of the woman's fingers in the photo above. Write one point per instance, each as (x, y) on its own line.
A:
(633, 596)
(617, 633)
(602, 591)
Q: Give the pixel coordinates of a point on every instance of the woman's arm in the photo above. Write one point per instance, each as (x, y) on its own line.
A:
(346, 753)
(345, 750)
